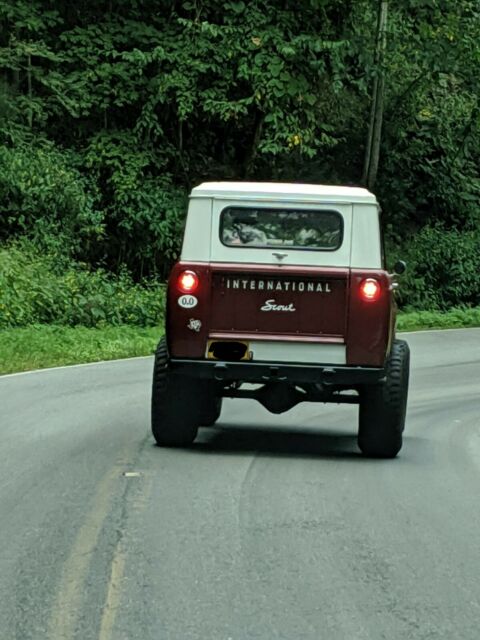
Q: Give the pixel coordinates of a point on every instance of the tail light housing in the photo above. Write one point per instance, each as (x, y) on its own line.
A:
(370, 290)
(187, 281)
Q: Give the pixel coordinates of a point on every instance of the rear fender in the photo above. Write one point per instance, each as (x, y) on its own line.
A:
(187, 328)
(369, 324)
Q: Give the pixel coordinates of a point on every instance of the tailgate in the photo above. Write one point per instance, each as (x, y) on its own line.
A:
(270, 302)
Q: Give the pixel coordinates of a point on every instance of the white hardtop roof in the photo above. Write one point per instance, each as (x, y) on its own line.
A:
(282, 191)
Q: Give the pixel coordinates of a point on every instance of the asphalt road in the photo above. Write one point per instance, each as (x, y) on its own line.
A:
(268, 527)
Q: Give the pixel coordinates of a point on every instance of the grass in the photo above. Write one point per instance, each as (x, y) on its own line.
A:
(452, 319)
(42, 346)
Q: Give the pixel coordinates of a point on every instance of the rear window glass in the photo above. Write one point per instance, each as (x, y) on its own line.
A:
(292, 228)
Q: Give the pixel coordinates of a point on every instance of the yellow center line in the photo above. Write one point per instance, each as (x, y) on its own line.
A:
(112, 601)
(114, 592)
(71, 588)
(67, 608)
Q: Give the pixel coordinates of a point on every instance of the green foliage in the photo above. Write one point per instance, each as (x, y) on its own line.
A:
(442, 269)
(43, 196)
(145, 214)
(55, 290)
(111, 112)
(431, 150)
(150, 99)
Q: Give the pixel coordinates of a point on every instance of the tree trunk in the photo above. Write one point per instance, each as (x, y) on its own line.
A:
(374, 137)
(30, 92)
(250, 160)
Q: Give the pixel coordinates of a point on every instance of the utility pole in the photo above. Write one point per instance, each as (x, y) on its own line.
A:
(372, 150)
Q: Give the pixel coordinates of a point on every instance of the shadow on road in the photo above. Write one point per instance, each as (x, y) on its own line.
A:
(236, 439)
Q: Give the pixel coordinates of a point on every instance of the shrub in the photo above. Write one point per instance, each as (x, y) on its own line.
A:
(452, 319)
(107, 206)
(44, 196)
(53, 289)
(442, 269)
(144, 211)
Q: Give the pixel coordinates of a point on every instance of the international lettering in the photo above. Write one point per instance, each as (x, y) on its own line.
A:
(301, 286)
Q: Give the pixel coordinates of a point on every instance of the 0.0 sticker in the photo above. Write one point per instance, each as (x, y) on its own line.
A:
(187, 302)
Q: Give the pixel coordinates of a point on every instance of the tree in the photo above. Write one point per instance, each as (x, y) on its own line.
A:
(138, 101)
(372, 150)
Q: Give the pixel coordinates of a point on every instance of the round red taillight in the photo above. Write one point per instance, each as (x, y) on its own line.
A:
(187, 282)
(370, 290)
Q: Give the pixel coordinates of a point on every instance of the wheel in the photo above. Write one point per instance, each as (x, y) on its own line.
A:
(211, 409)
(176, 403)
(383, 407)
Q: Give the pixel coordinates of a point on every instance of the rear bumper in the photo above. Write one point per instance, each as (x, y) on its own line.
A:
(262, 372)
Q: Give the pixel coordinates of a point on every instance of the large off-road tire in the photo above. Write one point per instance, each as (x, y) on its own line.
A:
(383, 407)
(176, 404)
(211, 408)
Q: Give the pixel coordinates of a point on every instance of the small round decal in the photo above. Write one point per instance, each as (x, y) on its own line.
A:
(187, 302)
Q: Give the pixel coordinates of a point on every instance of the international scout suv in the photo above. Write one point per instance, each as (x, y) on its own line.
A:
(281, 294)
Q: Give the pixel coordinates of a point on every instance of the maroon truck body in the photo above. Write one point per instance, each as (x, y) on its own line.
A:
(329, 309)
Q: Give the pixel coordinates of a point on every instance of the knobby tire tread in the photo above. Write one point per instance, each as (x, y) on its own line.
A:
(383, 407)
(175, 408)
